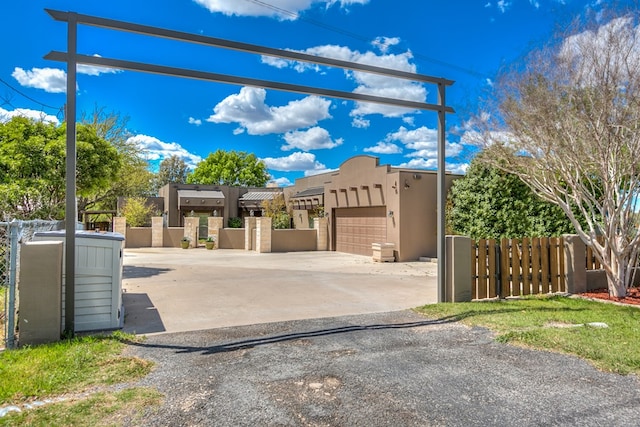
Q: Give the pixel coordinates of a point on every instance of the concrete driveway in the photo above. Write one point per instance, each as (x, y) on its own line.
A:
(176, 290)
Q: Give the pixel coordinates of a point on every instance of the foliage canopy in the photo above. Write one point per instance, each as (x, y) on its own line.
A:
(32, 167)
(491, 203)
(230, 168)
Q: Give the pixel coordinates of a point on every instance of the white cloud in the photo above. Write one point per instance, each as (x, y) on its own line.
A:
(503, 5)
(361, 123)
(193, 121)
(297, 161)
(423, 145)
(52, 80)
(588, 51)
(249, 110)
(384, 148)
(6, 115)
(423, 140)
(279, 9)
(316, 138)
(410, 120)
(368, 83)
(154, 149)
(282, 182)
(383, 44)
(94, 70)
(457, 168)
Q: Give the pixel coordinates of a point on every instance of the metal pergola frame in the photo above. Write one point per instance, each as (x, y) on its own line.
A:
(72, 58)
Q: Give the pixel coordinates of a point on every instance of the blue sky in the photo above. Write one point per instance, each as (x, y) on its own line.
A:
(296, 135)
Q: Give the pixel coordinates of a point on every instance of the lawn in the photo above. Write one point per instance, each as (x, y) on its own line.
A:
(550, 323)
(74, 366)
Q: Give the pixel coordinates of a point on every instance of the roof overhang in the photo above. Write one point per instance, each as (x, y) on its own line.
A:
(200, 199)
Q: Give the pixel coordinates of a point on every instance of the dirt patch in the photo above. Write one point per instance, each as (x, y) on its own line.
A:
(633, 296)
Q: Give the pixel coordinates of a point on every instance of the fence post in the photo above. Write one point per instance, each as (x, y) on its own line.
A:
(458, 269)
(263, 234)
(191, 225)
(14, 227)
(322, 234)
(157, 232)
(249, 225)
(120, 225)
(575, 253)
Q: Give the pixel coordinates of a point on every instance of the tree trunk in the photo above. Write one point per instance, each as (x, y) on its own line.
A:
(616, 280)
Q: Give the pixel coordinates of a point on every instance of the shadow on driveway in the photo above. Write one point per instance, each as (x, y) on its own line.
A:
(134, 272)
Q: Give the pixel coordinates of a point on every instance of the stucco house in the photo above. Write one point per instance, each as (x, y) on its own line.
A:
(180, 200)
(366, 202)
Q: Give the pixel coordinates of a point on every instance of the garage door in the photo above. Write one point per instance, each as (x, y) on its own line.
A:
(358, 228)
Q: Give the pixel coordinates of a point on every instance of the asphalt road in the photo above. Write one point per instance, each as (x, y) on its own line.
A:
(384, 369)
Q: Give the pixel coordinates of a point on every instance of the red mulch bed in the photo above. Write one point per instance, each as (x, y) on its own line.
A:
(633, 296)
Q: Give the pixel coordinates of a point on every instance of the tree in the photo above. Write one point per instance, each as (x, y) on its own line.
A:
(173, 169)
(276, 209)
(491, 203)
(32, 167)
(230, 168)
(137, 212)
(133, 178)
(567, 122)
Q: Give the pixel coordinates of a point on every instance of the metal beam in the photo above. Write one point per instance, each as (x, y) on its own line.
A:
(441, 201)
(72, 59)
(70, 215)
(242, 81)
(243, 47)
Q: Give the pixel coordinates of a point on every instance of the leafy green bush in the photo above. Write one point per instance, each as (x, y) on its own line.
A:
(234, 222)
(281, 220)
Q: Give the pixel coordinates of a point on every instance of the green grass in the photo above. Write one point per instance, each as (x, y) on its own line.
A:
(101, 409)
(67, 366)
(529, 321)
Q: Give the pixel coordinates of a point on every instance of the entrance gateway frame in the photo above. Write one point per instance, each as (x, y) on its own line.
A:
(72, 58)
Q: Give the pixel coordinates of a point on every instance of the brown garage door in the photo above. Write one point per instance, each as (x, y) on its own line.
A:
(358, 228)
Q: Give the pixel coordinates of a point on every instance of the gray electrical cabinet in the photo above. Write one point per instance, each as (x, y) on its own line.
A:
(98, 284)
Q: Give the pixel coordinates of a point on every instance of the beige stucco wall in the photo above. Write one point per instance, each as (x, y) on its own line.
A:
(300, 218)
(231, 238)
(138, 237)
(418, 212)
(293, 240)
(361, 182)
(171, 237)
(409, 198)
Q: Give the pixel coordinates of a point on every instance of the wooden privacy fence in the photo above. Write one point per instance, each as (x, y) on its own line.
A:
(513, 267)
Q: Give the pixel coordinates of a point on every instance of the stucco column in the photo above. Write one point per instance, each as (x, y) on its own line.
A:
(263, 234)
(120, 225)
(191, 230)
(458, 267)
(322, 233)
(214, 224)
(249, 225)
(157, 232)
(575, 255)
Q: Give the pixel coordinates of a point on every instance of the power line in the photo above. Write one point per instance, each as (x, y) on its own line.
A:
(362, 38)
(28, 97)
